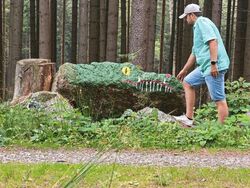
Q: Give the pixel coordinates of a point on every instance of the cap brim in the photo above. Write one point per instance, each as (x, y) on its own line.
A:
(183, 16)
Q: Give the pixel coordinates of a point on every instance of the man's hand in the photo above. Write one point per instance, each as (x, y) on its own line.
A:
(190, 62)
(181, 75)
(214, 70)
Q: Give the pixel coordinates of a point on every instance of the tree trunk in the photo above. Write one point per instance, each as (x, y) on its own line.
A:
(162, 35)
(228, 28)
(15, 42)
(44, 30)
(83, 32)
(74, 31)
(128, 28)
(187, 38)
(216, 14)
(139, 33)
(53, 30)
(94, 31)
(208, 4)
(246, 73)
(4, 57)
(37, 27)
(33, 41)
(172, 43)
(240, 39)
(63, 33)
(33, 75)
(151, 35)
(123, 31)
(111, 51)
(103, 28)
(1, 52)
(232, 41)
(179, 38)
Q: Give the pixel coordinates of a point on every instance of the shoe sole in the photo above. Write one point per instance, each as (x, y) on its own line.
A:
(185, 125)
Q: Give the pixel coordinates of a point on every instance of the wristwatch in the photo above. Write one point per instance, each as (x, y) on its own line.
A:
(213, 62)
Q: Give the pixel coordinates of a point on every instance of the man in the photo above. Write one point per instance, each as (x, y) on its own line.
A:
(209, 53)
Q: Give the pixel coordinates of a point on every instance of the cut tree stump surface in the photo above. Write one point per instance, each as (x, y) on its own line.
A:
(201, 158)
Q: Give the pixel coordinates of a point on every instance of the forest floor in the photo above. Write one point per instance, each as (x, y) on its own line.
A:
(201, 158)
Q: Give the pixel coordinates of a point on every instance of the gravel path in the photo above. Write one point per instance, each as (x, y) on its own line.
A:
(128, 157)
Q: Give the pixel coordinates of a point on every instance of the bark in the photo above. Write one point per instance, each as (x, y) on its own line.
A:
(162, 35)
(246, 73)
(208, 4)
(4, 57)
(63, 32)
(232, 41)
(139, 33)
(1, 52)
(44, 30)
(15, 42)
(33, 39)
(128, 27)
(187, 38)
(33, 75)
(111, 51)
(240, 39)
(83, 32)
(151, 35)
(179, 38)
(123, 31)
(37, 27)
(103, 29)
(94, 31)
(216, 14)
(172, 40)
(53, 30)
(228, 27)
(74, 31)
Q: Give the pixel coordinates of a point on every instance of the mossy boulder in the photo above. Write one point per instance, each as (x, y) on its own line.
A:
(44, 100)
(107, 89)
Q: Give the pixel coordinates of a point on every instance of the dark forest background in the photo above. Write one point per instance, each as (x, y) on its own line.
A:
(147, 33)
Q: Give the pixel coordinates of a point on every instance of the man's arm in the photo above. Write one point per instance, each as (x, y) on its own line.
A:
(190, 62)
(213, 46)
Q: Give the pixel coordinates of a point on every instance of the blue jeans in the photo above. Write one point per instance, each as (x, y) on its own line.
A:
(216, 85)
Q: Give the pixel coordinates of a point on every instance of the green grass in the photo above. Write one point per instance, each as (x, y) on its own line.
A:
(37, 128)
(30, 129)
(56, 175)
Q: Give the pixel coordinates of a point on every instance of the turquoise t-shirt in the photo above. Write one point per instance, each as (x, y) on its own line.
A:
(205, 30)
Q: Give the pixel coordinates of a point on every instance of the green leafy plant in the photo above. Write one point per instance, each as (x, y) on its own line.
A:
(238, 93)
(22, 126)
(238, 100)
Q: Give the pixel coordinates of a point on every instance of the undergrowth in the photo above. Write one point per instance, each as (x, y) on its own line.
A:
(21, 126)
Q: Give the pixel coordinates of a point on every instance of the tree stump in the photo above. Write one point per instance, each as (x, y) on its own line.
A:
(33, 75)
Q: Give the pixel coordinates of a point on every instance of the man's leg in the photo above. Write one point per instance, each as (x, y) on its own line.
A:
(192, 80)
(216, 87)
(222, 109)
(190, 99)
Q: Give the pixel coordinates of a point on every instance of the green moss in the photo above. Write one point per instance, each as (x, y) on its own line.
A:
(121, 75)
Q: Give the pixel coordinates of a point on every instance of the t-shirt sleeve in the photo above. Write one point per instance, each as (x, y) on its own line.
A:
(207, 31)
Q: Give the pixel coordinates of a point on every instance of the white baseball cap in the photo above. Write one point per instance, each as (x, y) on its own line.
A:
(190, 9)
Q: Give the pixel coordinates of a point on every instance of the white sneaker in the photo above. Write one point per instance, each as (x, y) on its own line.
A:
(184, 120)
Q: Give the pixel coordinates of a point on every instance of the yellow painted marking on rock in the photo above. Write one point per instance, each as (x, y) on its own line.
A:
(126, 71)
